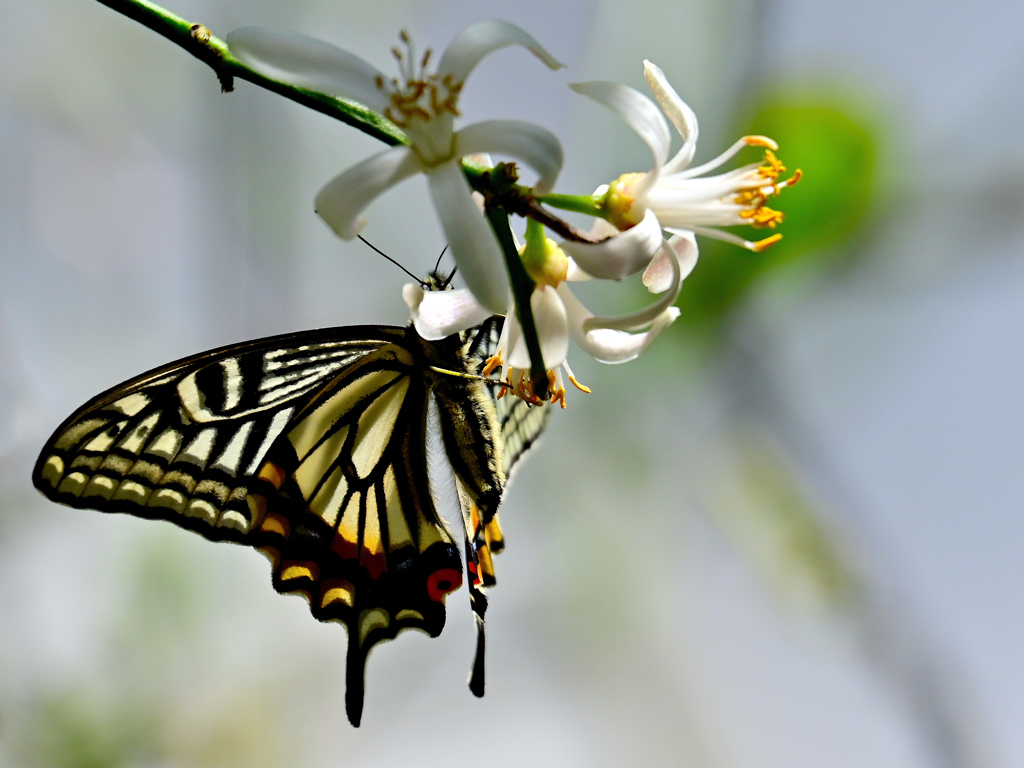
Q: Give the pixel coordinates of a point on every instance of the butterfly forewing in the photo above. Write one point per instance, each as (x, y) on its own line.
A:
(309, 447)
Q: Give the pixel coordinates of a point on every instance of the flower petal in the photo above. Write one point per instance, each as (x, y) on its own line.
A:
(640, 114)
(346, 195)
(607, 345)
(438, 314)
(552, 331)
(576, 273)
(535, 146)
(619, 256)
(308, 63)
(470, 239)
(678, 111)
(468, 47)
(634, 321)
(658, 275)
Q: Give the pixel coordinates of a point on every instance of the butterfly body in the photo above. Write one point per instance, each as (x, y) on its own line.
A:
(311, 447)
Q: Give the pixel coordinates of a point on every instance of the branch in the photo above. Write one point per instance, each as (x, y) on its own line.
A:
(214, 52)
(522, 290)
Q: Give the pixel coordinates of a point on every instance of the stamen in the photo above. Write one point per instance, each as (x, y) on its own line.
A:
(582, 387)
(426, 59)
(729, 237)
(790, 182)
(723, 158)
(774, 166)
(559, 397)
(763, 245)
(491, 364)
(761, 141)
(763, 217)
(572, 378)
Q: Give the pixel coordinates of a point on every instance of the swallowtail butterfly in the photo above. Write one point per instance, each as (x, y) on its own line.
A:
(311, 447)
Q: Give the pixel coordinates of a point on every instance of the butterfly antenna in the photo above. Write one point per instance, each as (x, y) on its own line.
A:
(446, 282)
(378, 250)
(438, 265)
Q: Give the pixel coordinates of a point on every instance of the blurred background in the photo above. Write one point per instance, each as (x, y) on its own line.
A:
(789, 536)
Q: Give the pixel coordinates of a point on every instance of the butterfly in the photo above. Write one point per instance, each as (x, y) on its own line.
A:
(311, 448)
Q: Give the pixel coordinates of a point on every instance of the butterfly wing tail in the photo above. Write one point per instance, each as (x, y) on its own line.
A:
(355, 681)
(478, 602)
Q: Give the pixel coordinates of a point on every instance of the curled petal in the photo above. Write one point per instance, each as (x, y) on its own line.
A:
(308, 63)
(575, 273)
(678, 111)
(605, 344)
(640, 114)
(610, 346)
(535, 146)
(468, 47)
(619, 256)
(438, 314)
(552, 331)
(470, 239)
(634, 321)
(346, 195)
(658, 275)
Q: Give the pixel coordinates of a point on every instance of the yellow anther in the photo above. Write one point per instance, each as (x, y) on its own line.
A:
(491, 365)
(558, 396)
(774, 166)
(790, 182)
(760, 141)
(763, 217)
(763, 245)
(584, 388)
(753, 198)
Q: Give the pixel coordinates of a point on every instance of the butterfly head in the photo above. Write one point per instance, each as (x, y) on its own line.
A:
(438, 281)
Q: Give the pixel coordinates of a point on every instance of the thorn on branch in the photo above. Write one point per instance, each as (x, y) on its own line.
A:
(211, 55)
(201, 33)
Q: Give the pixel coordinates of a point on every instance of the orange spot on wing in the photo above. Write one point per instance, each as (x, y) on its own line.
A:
(273, 474)
(275, 523)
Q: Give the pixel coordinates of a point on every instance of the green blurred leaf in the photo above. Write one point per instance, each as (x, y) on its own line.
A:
(826, 136)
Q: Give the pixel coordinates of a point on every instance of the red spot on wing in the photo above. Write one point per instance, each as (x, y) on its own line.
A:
(343, 547)
(374, 562)
(441, 582)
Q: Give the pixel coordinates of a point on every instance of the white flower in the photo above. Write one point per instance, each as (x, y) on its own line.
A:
(424, 105)
(672, 195)
(558, 315)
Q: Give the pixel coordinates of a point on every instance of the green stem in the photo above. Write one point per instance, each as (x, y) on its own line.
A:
(522, 290)
(197, 40)
(588, 204)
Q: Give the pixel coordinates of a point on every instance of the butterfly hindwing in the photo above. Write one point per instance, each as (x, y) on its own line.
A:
(309, 447)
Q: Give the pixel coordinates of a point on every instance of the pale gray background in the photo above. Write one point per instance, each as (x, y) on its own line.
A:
(647, 613)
